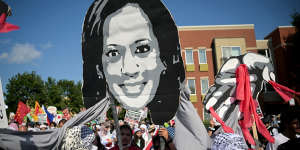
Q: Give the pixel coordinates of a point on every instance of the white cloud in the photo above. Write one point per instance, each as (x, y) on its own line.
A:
(3, 56)
(47, 45)
(23, 53)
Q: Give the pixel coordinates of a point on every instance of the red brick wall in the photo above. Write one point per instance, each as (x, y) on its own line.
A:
(279, 37)
(205, 37)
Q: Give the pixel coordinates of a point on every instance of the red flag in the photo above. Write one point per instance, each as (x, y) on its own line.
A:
(6, 27)
(22, 111)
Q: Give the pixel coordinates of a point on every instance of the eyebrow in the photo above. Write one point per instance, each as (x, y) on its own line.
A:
(112, 45)
(137, 41)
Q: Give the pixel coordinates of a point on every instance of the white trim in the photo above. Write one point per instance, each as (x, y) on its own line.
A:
(199, 55)
(286, 26)
(194, 85)
(204, 78)
(186, 62)
(217, 27)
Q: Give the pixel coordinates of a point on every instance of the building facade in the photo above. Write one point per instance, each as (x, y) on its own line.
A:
(280, 44)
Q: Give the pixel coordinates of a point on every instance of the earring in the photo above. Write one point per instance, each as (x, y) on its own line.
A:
(99, 73)
(164, 72)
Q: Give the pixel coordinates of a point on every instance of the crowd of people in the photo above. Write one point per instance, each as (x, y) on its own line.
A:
(134, 136)
(284, 127)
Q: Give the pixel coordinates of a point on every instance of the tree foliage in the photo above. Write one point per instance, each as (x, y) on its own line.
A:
(29, 87)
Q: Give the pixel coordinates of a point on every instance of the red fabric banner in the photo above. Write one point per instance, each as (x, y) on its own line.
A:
(226, 128)
(248, 106)
(22, 111)
(6, 27)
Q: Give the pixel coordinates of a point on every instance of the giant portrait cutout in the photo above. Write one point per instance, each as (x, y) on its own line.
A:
(131, 53)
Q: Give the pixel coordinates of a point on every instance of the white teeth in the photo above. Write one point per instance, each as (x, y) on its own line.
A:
(133, 89)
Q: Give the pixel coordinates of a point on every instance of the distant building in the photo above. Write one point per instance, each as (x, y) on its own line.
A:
(279, 42)
(285, 59)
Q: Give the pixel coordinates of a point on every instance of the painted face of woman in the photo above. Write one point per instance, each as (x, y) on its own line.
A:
(130, 59)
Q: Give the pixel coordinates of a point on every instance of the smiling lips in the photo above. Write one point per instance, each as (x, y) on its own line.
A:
(133, 88)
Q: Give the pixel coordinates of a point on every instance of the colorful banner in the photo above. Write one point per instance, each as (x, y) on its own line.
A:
(22, 111)
(3, 117)
(42, 118)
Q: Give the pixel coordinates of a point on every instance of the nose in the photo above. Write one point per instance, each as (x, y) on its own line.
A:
(129, 67)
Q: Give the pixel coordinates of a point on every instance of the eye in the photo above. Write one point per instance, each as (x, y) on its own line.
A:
(112, 53)
(142, 49)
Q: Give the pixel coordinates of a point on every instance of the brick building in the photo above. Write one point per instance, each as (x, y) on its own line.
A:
(284, 55)
(279, 43)
(205, 48)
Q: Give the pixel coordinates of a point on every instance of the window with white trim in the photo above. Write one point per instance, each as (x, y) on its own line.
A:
(204, 85)
(191, 85)
(202, 56)
(228, 51)
(189, 56)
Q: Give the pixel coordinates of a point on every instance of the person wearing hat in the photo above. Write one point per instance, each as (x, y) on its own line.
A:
(43, 127)
(138, 139)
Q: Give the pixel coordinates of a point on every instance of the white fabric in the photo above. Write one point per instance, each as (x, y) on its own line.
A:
(190, 133)
(279, 139)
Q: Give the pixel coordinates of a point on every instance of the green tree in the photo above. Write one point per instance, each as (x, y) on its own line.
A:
(71, 95)
(26, 87)
(54, 93)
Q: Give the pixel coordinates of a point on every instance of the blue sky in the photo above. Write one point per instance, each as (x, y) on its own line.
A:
(49, 41)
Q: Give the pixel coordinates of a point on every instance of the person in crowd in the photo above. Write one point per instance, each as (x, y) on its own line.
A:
(126, 138)
(43, 127)
(107, 138)
(31, 126)
(145, 133)
(37, 126)
(23, 127)
(97, 143)
(61, 122)
(52, 125)
(168, 141)
(13, 126)
(289, 125)
(138, 139)
(151, 130)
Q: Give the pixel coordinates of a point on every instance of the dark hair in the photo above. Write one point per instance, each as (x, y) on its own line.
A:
(165, 30)
(286, 117)
(62, 121)
(126, 127)
(136, 138)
